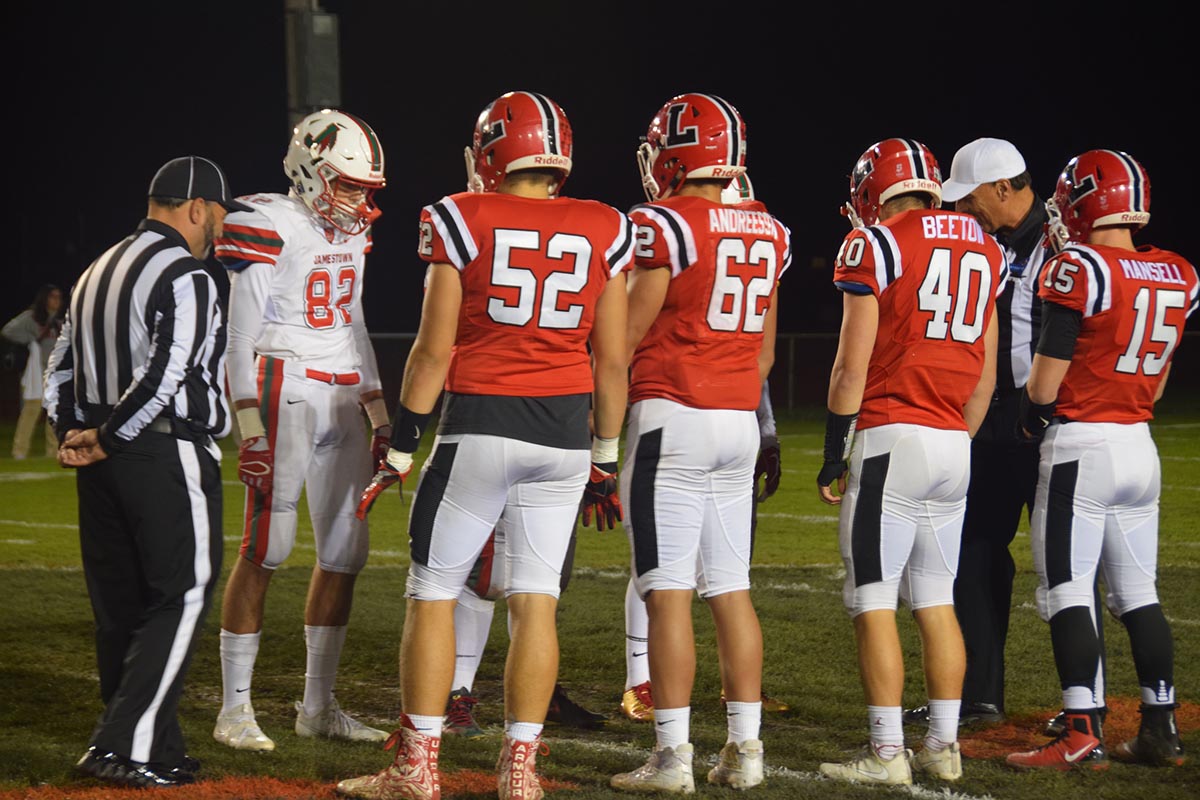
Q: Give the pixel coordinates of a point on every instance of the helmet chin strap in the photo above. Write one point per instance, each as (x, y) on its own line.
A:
(849, 212)
(1056, 230)
(474, 182)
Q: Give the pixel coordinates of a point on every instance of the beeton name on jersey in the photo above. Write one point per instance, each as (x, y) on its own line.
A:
(739, 221)
(1152, 271)
(957, 227)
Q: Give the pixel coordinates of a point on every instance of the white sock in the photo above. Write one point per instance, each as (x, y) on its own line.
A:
(324, 645)
(943, 724)
(522, 731)
(887, 730)
(672, 726)
(637, 636)
(238, 652)
(743, 720)
(427, 726)
(472, 624)
(1079, 698)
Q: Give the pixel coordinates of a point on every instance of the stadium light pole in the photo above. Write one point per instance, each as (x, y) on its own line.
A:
(314, 78)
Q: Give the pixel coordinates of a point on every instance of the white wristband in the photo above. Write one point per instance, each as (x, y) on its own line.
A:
(605, 451)
(399, 461)
(250, 422)
(377, 413)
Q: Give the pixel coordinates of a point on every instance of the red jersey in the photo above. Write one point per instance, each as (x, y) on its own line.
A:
(532, 271)
(936, 275)
(1135, 304)
(702, 348)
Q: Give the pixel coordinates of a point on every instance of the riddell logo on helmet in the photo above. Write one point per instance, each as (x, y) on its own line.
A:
(718, 172)
(551, 161)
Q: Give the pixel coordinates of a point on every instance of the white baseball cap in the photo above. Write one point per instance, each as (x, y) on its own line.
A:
(978, 162)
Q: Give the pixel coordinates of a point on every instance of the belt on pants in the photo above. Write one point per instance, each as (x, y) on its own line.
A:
(333, 378)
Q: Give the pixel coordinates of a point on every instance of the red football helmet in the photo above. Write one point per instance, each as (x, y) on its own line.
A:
(1097, 189)
(518, 130)
(692, 136)
(889, 168)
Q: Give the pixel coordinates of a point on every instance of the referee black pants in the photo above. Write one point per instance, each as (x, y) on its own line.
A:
(1003, 484)
(150, 535)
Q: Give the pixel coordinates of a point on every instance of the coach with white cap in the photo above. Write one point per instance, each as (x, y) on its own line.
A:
(989, 180)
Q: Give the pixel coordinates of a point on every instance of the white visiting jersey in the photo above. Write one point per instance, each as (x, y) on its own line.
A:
(296, 292)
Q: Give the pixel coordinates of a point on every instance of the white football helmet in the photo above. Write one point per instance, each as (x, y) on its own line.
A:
(739, 190)
(335, 164)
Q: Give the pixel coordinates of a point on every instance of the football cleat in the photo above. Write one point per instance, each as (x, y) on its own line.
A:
(460, 715)
(668, 770)
(868, 767)
(945, 764)
(1077, 747)
(566, 711)
(238, 729)
(969, 714)
(516, 775)
(333, 723)
(739, 765)
(637, 704)
(769, 704)
(1157, 742)
(413, 775)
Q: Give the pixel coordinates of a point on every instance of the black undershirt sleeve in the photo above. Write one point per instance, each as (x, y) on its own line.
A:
(1060, 329)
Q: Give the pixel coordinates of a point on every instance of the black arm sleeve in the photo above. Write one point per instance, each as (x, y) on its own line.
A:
(1060, 329)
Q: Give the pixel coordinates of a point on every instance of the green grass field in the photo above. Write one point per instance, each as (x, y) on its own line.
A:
(49, 690)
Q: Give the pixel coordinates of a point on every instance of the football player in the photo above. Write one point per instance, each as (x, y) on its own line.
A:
(521, 282)
(1114, 313)
(472, 626)
(702, 335)
(914, 372)
(302, 373)
(637, 702)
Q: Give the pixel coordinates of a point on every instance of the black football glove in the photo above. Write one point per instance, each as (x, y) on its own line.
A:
(768, 467)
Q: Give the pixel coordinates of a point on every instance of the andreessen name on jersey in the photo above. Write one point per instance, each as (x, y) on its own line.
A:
(737, 220)
(1151, 271)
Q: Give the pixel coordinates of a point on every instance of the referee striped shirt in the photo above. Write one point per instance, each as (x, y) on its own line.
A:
(144, 337)
(1019, 320)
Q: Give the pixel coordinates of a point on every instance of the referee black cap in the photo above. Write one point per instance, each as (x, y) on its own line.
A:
(189, 177)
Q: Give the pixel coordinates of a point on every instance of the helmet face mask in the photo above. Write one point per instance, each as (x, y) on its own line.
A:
(518, 130)
(1099, 188)
(692, 136)
(887, 169)
(335, 165)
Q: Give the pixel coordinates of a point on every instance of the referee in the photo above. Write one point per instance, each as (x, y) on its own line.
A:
(989, 180)
(134, 388)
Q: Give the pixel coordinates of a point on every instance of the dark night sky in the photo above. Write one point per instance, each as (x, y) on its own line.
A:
(104, 96)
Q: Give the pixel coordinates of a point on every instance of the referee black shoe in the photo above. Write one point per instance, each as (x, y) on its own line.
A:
(566, 711)
(969, 714)
(120, 771)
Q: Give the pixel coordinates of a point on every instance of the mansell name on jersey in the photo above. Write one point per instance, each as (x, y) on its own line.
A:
(1152, 271)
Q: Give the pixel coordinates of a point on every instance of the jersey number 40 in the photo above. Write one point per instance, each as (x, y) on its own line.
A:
(950, 305)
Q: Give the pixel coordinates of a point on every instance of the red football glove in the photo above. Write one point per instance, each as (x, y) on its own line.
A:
(600, 497)
(381, 441)
(392, 470)
(768, 467)
(256, 464)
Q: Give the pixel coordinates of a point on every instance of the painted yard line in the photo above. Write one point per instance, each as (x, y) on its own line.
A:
(1176, 426)
(798, 776)
(18, 541)
(821, 518)
(16, 477)
(1179, 458)
(20, 523)
(1171, 487)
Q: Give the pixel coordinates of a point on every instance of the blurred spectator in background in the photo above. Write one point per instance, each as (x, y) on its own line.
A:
(36, 327)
